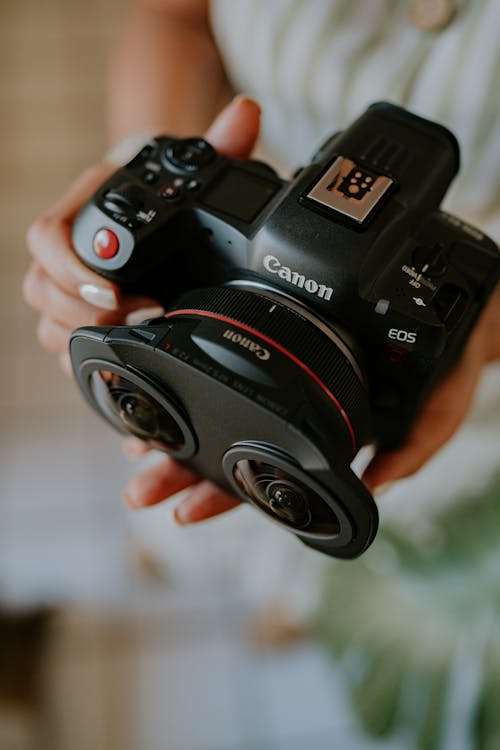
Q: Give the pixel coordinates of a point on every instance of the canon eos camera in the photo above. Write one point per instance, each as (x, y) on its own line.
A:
(304, 319)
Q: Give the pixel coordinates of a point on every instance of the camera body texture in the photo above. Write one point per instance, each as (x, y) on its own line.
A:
(304, 319)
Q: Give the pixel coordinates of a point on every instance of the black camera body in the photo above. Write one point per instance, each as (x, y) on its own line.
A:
(304, 319)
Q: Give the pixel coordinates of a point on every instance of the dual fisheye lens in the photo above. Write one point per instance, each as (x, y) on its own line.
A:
(273, 484)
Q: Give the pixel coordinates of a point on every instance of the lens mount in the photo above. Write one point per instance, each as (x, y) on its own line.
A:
(280, 330)
(135, 405)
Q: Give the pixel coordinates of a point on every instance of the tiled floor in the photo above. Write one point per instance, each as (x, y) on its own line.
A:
(132, 663)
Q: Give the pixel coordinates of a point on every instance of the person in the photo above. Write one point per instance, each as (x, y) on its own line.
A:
(312, 66)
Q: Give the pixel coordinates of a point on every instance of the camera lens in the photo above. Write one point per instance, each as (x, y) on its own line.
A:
(285, 497)
(289, 503)
(130, 407)
(138, 414)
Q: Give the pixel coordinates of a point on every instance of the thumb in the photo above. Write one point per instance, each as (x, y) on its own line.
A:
(235, 130)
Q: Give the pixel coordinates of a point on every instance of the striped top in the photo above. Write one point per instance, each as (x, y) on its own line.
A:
(315, 65)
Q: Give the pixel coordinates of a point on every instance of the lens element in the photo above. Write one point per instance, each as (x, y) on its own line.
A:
(129, 406)
(288, 502)
(284, 496)
(139, 415)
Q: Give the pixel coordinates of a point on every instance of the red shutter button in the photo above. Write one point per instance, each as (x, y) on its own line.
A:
(106, 244)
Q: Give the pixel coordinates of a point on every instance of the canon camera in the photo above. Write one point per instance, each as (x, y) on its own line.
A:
(304, 319)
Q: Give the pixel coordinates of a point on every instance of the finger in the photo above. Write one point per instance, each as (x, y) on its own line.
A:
(157, 483)
(65, 363)
(53, 336)
(135, 448)
(81, 189)
(205, 500)
(44, 295)
(439, 420)
(235, 131)
(49, 241)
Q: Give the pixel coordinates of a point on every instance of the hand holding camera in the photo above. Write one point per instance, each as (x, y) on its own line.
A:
(315, 316)
(56, 268)
(334, 305)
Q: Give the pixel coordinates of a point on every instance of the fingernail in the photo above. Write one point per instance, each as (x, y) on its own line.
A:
(181, 514)
(137, 316)
(382, 489)
(245, 98)
(130, 453)
(224, 118)
(130, 501)
(99, 296)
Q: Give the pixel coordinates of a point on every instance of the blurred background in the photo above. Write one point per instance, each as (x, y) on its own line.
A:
(120, 631)
(125, 659)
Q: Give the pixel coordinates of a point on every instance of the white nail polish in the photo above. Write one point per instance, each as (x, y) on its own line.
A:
(99, 296)
(137, 316)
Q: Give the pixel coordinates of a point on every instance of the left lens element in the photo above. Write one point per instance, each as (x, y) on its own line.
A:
(138, 414)
(128, 406)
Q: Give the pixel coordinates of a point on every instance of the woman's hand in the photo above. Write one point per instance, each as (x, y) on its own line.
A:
(446, 408)
(59, 286)
(67, 295)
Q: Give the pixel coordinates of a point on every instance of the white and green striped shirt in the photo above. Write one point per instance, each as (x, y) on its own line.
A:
(315, 65)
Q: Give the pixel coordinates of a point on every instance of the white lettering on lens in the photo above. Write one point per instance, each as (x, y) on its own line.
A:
(273, 265)
(252, 346)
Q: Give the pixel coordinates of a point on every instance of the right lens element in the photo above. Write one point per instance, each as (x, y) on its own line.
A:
(289, 502)
(285, 497)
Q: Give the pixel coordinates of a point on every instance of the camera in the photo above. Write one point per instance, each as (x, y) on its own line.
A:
(304, 318)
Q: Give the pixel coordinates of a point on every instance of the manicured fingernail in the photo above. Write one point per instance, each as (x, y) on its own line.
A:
(99, 296)
(181, 514)
(130, 453)
(225, 118)
(382, 489)
(130, 500)
(245, 98)
(137, 316)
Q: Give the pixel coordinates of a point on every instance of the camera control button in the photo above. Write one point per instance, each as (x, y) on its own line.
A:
(170, 192)
(151, 177)
(143, 334)
(126, 196)
(430, 261)
(193, 185)
(147, 151)
(105, 243)
(190, 154)
(133, 223)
